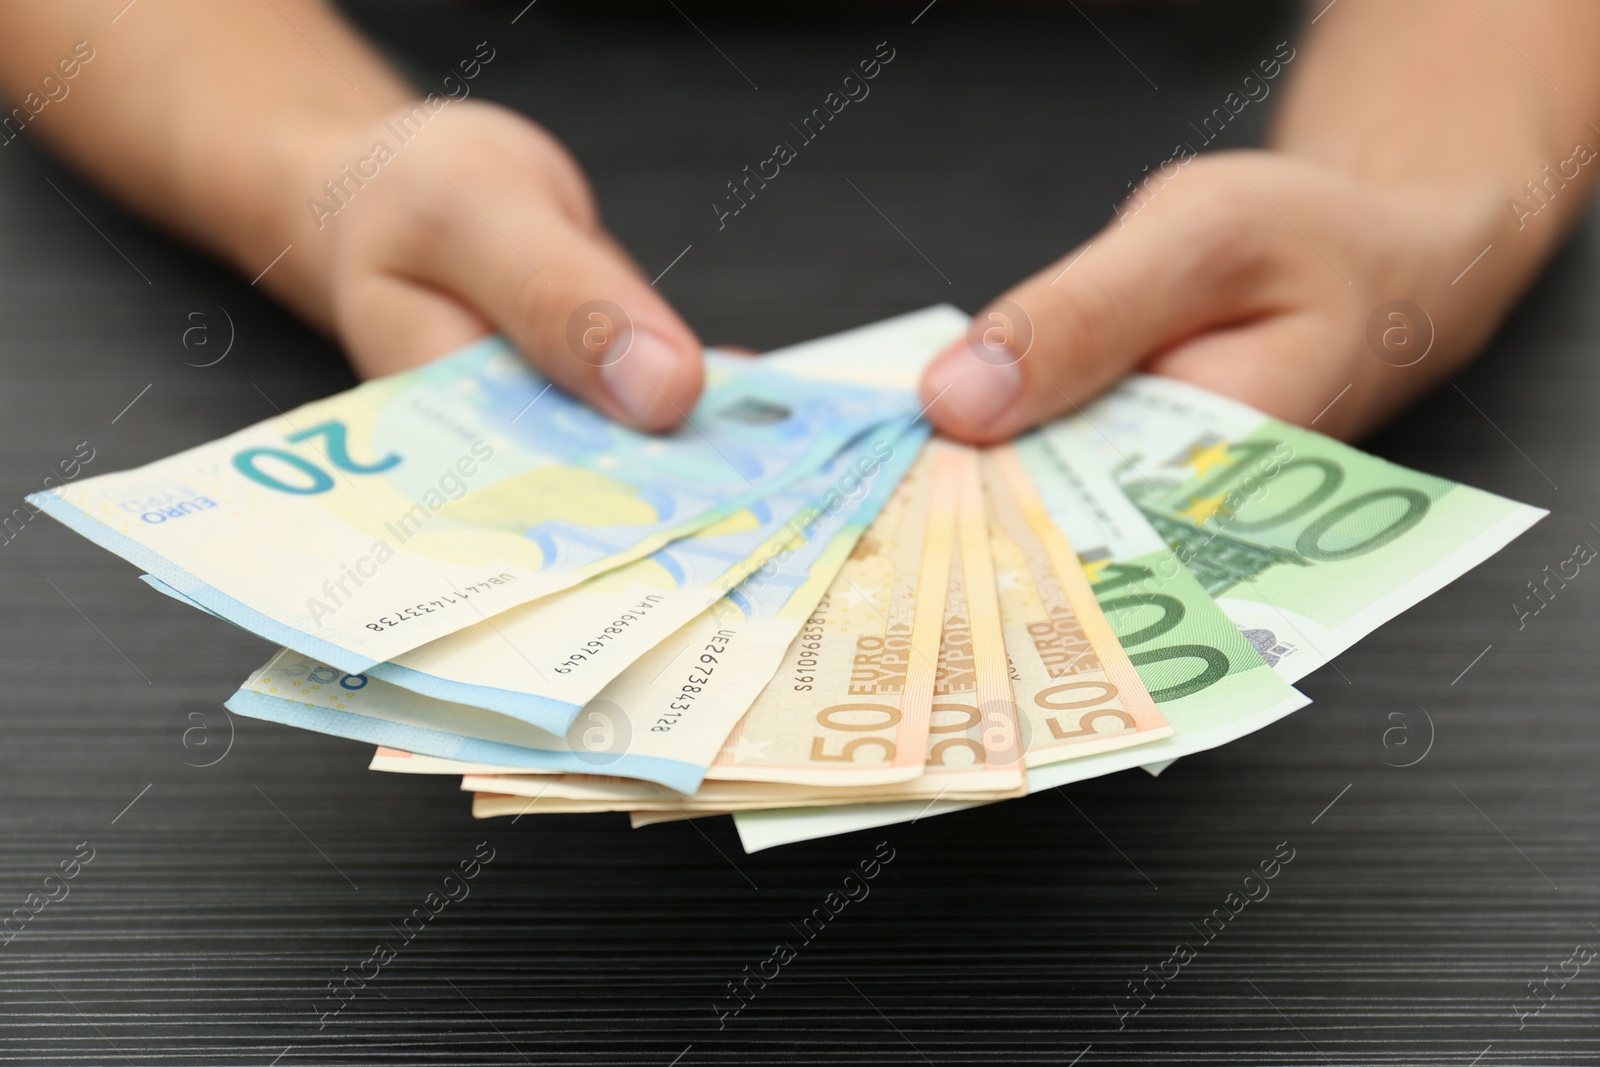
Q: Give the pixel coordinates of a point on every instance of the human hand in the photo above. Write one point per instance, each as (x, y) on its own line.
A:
(482, 223)
(1252, 274)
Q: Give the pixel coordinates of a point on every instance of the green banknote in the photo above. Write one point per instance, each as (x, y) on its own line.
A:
(1210, 683)
(1307, 544)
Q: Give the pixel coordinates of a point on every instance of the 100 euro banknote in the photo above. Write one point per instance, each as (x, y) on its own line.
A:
(1210, 683)
(1307, 544)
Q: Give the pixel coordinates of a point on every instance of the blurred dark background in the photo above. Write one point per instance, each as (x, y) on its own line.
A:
(220, 905)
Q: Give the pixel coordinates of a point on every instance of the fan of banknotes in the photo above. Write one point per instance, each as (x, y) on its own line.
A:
(799, 608)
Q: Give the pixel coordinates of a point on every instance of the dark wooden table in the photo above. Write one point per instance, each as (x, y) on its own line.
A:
(222, 900)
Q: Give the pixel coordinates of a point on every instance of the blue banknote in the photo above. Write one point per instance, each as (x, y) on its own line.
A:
(665, 717)
(356, 528)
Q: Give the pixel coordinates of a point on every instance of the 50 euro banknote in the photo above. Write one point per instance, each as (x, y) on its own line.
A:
(1077, 692)
(355, 528)
(973, 743)
(851, 701)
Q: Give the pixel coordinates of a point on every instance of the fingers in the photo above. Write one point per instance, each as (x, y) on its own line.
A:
(1287, 366)
(1074, 328)
(1264, 364)
(564, 295)
(395, 323)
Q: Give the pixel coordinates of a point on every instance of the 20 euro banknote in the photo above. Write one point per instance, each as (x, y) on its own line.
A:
(662, 720)
(358, 527)
(544, 660)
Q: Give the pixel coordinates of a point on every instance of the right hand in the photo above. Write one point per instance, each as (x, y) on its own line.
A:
(481, 222)
(1251, 274)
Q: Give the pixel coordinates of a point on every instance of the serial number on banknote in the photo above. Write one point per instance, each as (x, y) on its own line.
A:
(616, 629)
(428, 607)
(809, 642)
(699, 677)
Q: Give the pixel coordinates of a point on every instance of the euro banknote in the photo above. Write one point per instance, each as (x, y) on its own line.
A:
(771, 827)
(399, 761)
(1077, 693)
(1070, 670)
(544, 660)
(975, 739)
(355, 528)
(1210, 683)
(891, 353)
(640, 819)
(662, 720)
(1306, 543)
(851, 701)
(1312, 544)
(714, 798)
(974, 747)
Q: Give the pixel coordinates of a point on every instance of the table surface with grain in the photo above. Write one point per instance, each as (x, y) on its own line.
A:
(223, 902)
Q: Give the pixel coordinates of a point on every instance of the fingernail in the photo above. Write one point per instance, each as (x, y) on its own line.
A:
(971, 389)
(641, 379)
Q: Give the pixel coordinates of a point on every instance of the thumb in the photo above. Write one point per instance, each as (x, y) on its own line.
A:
(568, 299)
(1065, 334)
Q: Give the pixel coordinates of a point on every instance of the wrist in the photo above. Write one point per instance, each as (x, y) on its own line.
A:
(1463, 254)
(1511, 205)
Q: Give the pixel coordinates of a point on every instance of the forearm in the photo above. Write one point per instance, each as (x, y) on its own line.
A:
(1457, 102)
(202, 115)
